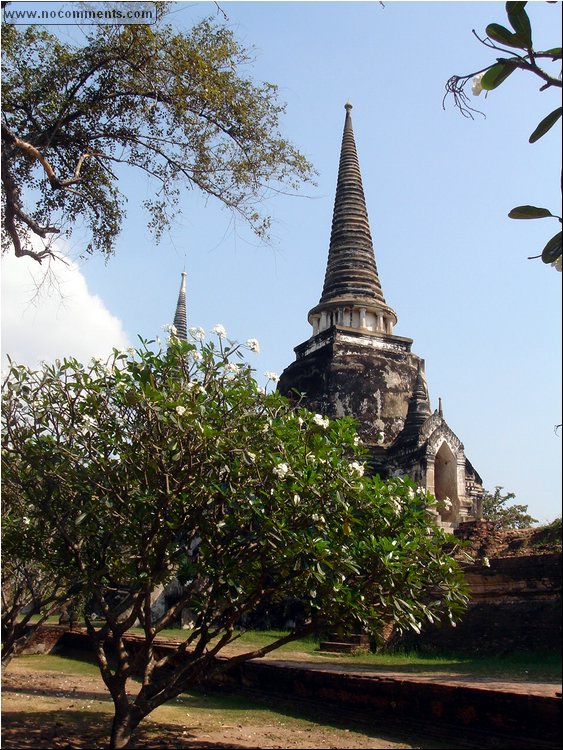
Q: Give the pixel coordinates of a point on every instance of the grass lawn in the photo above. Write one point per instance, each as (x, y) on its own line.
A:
(521, 666)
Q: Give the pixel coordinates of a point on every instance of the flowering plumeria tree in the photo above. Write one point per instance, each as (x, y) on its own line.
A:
(174, 464)
(523, 54)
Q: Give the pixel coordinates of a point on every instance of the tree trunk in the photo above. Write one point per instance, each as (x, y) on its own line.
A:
(122, 728)
(7, 657)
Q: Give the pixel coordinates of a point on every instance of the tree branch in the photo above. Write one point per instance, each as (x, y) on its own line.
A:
(13, 210)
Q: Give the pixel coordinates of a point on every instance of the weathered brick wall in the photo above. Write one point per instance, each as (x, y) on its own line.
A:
(482, 538)
(515, 604)
(514, 579)
(45, 640)
(523, 720)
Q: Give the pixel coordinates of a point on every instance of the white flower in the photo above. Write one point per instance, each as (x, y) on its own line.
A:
(357, 468)
(195, 356)
(231, 369)
(447, 503)
(321, 421)
(296, 499)
(180, 410)
(170, 328)
(281, 470)
(486, 562)
(357, 440)
(219, 330)
(396, 504)
(253, 345)
(557, 263)
(476, 87)
(197, 333)
(300, 421)
(273, 376)
(26, 521)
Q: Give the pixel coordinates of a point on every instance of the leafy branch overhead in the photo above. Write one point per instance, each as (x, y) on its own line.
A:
(527, 58)
(175, 107)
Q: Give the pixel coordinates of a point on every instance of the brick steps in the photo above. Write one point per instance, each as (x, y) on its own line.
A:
(343, 648)
(346, 644)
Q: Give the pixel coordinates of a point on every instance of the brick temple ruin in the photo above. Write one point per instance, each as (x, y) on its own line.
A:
(354, 365)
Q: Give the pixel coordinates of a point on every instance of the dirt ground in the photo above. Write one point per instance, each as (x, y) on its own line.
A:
(43, 709)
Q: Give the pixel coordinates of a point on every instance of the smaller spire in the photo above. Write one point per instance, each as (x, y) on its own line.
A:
(440, 412)
(418, 409)
(420, 390)
(180, 317)
(419, 405)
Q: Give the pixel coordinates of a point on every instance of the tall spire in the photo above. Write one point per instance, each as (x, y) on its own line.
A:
(180, 317)
(351, 269)
(352, 294)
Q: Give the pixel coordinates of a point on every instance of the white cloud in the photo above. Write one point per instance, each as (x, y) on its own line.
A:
(48, 312)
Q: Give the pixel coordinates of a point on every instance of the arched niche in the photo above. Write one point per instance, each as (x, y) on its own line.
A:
(445, 483)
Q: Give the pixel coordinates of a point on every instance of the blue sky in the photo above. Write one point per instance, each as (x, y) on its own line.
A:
(438, 189)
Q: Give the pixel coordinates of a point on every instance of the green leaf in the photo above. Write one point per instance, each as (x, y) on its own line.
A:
(500, 34)
(547, 123)
(519, 21)
(496, 75)
(552, 250)
(554, 52)
(529, 212)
